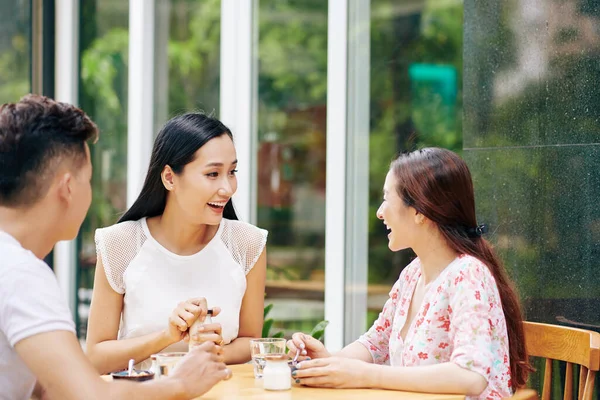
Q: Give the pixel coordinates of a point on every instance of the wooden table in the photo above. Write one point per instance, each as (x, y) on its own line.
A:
(243, 386)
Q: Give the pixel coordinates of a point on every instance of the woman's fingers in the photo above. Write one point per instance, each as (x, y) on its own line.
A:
(187, 316)
(292, 346)
(215, 327)
(299, 340)
(310, 372)
(178, 322)
(198, 301)
(319, 381)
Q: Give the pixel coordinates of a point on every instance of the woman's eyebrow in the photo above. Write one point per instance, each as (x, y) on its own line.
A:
(219, 164)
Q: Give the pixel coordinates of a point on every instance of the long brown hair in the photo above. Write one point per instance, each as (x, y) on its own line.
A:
(437, 183)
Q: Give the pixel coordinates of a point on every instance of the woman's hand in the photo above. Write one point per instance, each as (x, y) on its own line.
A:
(183, 316)
(209, 332)
(308, 345)
(332, 372)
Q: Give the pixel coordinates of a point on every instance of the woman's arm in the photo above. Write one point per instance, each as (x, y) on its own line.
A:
(337, 372)
(251, 313)
(439, 378)
(357, 351)
(105, 352)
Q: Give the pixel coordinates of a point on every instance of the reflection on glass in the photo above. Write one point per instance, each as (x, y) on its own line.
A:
(292, 82)
(15, 49)
(532, 89)
(103, 95)
(187, 67)
(416, 101)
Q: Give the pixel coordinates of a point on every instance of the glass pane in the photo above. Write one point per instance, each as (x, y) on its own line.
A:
(532, 139)
(416, 101)
(104, 47)
(15, 49)
(292, 83)
(187, 67)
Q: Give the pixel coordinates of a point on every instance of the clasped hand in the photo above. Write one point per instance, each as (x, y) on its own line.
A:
(184, 315)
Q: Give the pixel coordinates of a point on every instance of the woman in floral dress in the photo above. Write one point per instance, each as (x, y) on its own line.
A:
(452, 323)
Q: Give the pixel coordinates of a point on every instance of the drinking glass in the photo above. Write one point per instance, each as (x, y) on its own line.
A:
(261, 347)
(165, 362)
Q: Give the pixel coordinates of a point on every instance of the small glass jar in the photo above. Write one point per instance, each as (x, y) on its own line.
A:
(194, 329)
(154, 368)
(277, 374)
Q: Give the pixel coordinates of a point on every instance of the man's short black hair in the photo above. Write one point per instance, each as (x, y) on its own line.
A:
(36, 134)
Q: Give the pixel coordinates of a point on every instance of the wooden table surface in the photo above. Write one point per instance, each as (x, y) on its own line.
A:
(243, 386)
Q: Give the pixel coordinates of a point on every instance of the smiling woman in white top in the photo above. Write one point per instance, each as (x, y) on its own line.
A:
(178, 250)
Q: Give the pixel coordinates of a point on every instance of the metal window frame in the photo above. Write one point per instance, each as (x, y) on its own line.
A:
(238, 95)
(66, 79)
(336, 172)
(357, 168)
(140, 98)
(346, 231)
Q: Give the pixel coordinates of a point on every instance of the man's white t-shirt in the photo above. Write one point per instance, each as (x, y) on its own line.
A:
(30, 303)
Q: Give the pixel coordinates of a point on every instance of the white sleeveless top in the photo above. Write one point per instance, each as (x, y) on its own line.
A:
(154, 280)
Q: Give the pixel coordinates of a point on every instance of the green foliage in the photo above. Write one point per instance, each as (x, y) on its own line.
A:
(317, 332)
(14, 70)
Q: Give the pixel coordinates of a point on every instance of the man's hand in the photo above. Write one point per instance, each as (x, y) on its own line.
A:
(201, 369)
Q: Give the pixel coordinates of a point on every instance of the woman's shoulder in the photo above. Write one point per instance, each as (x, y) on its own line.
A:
(116, 246)
(244, 241)
(122, 229)
(242, 231)
(466, 264)
(470, 270)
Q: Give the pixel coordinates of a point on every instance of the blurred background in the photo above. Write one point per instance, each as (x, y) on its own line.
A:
(513, 86)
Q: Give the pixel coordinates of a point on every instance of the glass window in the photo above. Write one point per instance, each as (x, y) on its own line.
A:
(531, 138)
(187, 67)
(292, 83)
(104, 45)
(416, 101)
(15, 49)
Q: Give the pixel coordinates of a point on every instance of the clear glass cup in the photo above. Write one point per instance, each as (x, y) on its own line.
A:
(259, 348)
(165, 362)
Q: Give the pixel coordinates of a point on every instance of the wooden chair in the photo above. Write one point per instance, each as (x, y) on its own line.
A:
(524, 394)
(572, 345)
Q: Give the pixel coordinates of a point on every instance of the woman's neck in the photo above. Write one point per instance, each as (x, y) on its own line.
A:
(435, 255)
(174, 232)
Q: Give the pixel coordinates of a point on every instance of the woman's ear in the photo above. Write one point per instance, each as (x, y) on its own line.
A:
(168, 178)
(419, 218)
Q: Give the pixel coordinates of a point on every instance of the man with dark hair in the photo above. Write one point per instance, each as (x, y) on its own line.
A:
(45, 192)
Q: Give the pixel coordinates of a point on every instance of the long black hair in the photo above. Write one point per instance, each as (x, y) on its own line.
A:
(175, 146)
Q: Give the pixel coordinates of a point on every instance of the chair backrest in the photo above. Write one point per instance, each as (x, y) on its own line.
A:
(572, 345)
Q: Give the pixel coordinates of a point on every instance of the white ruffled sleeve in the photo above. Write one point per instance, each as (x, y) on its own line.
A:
(116, 247)
(246, 242)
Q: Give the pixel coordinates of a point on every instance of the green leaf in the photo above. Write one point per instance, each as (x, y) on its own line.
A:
(267, 327)
(319, 330)
(267, 310)
(278, 334)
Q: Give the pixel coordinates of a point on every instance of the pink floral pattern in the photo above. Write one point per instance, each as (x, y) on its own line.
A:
(461, 321)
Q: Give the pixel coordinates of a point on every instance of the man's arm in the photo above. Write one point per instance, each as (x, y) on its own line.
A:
(58, 362)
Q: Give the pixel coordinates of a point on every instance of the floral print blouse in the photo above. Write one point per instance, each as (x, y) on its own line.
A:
(460, 321)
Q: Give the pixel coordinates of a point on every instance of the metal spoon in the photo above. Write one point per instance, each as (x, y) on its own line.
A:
(130, 366)
(295, 360)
